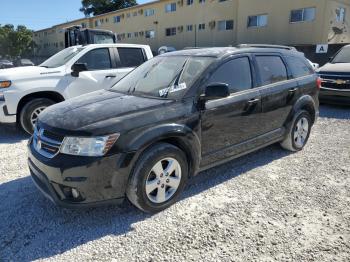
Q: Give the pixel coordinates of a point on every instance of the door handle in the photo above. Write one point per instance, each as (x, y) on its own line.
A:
(253, 101)
(293, 90)
(111, 76)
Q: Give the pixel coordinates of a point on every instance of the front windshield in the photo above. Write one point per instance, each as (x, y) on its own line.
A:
(62, 57)
(343, 56)
(164, 77)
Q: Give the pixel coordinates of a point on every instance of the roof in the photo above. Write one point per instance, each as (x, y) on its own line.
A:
(219, 52)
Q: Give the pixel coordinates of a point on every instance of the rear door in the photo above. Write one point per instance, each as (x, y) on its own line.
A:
(102, 72)
(278, 90)
(128, 58)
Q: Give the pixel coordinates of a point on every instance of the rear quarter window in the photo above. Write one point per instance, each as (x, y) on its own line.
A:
(299, 66)
(131, 57)
(271, 69)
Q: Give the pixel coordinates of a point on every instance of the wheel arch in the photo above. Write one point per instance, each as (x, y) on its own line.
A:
(52, 95)
(180, 136)
(306, 103)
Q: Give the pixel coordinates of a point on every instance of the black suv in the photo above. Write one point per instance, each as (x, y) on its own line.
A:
(170, 118)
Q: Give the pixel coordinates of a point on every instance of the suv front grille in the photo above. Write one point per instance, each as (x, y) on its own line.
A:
(334, 81)
(47, 143)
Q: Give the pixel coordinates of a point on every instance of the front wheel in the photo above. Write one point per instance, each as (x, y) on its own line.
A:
(158, 179)
(31, 111)
(299, 133)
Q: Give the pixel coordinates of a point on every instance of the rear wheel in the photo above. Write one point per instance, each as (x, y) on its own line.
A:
(299, 133)
(31, 111)
(158, 179)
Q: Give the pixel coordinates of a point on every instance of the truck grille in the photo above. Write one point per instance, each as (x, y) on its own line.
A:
(335, 81)
(47, 143)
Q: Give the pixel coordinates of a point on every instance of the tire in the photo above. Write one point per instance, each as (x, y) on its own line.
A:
(152, 201)
(297, 136)
(30, 109)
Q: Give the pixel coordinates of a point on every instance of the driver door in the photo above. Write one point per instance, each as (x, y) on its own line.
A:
(102, 73)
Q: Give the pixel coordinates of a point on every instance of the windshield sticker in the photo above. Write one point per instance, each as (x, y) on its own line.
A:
(179, 87)
(163, 92)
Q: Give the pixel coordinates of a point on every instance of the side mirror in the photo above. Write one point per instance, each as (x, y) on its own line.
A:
(216, 91)
(77, 68)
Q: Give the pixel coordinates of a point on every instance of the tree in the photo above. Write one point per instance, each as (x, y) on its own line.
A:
(15, 42)
(97, 7)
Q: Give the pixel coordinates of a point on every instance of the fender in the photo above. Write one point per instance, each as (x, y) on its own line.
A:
(305, 102)
(177, 134)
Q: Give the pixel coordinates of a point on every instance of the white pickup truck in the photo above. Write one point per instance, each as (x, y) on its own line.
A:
(26, 91)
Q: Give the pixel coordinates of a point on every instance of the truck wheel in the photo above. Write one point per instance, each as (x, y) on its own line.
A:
(299, 132)
(30, 112)
(159, 177)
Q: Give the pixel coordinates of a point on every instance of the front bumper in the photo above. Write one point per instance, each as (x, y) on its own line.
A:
(5, 117)
(99, 181)
(335, 96)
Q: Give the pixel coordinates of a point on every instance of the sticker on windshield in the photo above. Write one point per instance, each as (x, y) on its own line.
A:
(163, 92)
(179, 87)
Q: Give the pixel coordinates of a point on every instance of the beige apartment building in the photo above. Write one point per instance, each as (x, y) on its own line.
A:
(204, 23)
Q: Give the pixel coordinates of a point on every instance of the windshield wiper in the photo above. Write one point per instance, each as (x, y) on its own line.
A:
(175, 80)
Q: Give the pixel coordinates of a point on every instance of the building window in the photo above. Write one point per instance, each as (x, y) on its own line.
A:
(201, 1)
(129, 35)
(117, 19)
(225, 25)
(189, 2)
(303, 15)
(257, 20)
(201, 27)
(189, 28)
(170, 31)
(128, 15)
(170, 7)
(134, 14)
(340, 14)
(97, 23)
(150, 34)
(149, 12)
(107, 20)
(136, 34)
(222, 0)
(83, 25)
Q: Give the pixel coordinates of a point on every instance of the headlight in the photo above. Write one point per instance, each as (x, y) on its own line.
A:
(5, 84)
(88, 146)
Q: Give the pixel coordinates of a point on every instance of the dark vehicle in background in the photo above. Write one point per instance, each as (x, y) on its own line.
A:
(172, 117)
(76, 35)
(4, 63)
(335, 76)
(23, 62)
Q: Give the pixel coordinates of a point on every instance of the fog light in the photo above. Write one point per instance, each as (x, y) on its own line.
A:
(75, 193)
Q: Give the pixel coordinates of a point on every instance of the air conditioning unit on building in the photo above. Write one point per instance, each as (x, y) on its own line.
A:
(141, 11)
(212, 24)
(141, 33)
(180, 2)
(122, 16)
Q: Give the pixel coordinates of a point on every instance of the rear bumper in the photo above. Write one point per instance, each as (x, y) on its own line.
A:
(334, 96)
(5, 117)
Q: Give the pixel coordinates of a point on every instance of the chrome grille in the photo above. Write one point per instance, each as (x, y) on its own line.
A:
(335, 81)
(46, 143)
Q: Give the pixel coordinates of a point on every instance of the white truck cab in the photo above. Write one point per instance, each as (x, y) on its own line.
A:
(26, 91)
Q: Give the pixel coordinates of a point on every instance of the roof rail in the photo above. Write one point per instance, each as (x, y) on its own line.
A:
(267, 46)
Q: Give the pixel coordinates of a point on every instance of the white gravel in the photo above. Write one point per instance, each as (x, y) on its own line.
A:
(268, 206)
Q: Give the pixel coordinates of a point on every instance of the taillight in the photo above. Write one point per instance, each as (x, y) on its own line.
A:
(318, 82)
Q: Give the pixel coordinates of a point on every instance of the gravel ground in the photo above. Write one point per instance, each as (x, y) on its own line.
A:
(268, 206)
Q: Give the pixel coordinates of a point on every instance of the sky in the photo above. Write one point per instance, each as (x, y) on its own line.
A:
(40, 14)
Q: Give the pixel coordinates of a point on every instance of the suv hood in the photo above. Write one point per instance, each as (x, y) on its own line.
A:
(102, 112)
(335, 68)
(27, 72)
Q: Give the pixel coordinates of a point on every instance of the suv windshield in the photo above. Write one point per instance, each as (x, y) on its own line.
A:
(165, 77)
(343, 56)
(61, 58)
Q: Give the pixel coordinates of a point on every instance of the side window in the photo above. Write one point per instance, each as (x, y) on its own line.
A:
(236, 73)
(131, 57)
(97, 59)
(299, 67)
(271, 69)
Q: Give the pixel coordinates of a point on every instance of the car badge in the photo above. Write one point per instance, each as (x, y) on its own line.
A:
(340, 82)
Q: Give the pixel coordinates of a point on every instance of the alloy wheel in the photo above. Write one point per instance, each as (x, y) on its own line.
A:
(163, 180)
(301, 132)
(35, 114)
